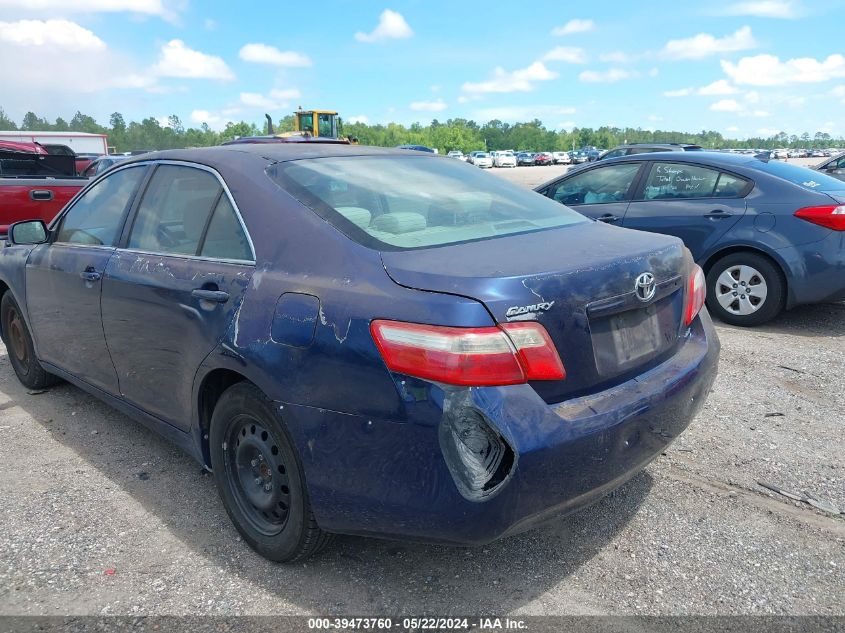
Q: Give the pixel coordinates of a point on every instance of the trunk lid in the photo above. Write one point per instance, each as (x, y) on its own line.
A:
(579, 281)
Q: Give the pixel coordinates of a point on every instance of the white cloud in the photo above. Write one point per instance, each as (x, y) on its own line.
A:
(606, 76)
(177, 60)
(760, 113)
(732, 128)
(266, 54)
(148, 7)
(719, 87)
(214, 121)
(256, 100)
(521, 113)
(680, 92)
(705, 44)
(56, 34)
(726, 105)
(653, 72)
(784, 9)
(468, 98)
(752, 96)
(287, 93)
(391, 26)
(769, 70)
(517, 81)
(574, 26)
(428, 106)
(570, 54)
(359, 118)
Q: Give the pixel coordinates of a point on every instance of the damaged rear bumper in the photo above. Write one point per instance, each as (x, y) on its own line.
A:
(394, 479)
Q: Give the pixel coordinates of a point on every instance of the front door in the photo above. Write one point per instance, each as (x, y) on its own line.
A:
(172, 292)
(600, 193)
(64, 280)
(695, 203)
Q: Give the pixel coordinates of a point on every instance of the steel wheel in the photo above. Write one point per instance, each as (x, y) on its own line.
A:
(14, 328)
(258, 475)
(741, 290)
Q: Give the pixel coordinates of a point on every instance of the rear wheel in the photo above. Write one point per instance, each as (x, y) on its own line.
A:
(745, 289)
(260, 478)
(19, 346)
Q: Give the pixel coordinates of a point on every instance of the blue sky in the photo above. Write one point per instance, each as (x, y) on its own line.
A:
(742, 67)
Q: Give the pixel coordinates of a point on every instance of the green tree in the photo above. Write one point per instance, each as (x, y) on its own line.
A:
(5, 122)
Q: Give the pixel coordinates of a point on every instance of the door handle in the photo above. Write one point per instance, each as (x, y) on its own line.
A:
(608, 217)
(90, 275)
(215, 296)
(41, 194)
(718, 214)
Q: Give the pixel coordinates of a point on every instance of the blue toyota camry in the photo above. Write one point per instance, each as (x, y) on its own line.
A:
(364, 341)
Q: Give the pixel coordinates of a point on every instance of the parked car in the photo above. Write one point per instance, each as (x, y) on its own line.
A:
(834, 167)
(780, 153)
(101, 164)
(504, 159)
(767, 234)
(579, 156)
(418, 148)
(543, 158)
(645, 148)
(471, 156)
(34, 183)
(561, 158)
(525, 158)
(483, 160)
(457, 154)
(364, 341)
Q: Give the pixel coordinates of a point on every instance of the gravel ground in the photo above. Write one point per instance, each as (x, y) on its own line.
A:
(100, 516)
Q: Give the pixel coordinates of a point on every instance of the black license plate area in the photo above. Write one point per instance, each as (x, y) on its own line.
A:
(627, 339)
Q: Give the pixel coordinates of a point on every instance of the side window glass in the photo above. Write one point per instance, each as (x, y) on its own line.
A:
(729, 186)
(604, 184)
(668, 181)
(174, 210)
(614, 154)
(97, 216)
(225, 238)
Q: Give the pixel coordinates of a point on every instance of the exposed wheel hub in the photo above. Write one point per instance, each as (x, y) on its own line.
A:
(258, 475)
(15, 332)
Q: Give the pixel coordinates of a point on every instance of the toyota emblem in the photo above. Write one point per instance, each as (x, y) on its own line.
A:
(645, 287)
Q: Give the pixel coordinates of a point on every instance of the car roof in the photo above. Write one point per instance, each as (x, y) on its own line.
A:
(271, 152)
(711, 158)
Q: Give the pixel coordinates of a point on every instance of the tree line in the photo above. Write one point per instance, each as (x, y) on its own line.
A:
(454, 134)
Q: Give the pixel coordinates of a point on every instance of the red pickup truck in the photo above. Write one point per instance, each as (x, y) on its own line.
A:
(33, 183)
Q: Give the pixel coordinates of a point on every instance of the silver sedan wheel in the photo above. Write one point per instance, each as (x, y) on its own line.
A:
(741, 290)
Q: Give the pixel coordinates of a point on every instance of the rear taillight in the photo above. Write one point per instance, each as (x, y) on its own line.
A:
(509, 354)
(696, 294)
(829, 216)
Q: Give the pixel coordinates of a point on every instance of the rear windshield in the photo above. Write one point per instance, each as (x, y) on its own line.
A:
(802, 176)
(399, 203)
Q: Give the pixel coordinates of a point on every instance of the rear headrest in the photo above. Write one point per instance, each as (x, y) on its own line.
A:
(400, 222)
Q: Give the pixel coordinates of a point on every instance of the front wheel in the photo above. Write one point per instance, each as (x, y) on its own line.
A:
(19, 345)
(745, 289)
(259, 477)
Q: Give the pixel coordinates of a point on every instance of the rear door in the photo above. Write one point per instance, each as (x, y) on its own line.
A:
(695, 203)
(171, 290)
(64, 279)
(601, 193)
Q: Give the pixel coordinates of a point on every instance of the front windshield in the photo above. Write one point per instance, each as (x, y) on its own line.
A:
(396, 203)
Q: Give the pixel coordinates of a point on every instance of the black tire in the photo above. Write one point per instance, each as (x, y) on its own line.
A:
(767, 275)
(19, 345)
(260, 478)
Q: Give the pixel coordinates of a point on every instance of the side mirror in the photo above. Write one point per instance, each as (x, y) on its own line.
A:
(28, 232)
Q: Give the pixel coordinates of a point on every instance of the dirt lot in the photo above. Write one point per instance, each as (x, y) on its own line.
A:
(98, 515)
